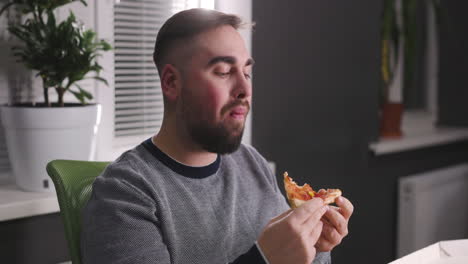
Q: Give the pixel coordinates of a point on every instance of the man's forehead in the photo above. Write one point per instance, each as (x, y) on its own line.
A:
(214, 55)
(222, 41)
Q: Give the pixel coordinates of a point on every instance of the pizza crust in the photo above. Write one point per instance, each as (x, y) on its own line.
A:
(329, 199)
(328, 196)
(295, 203)
(331, 195)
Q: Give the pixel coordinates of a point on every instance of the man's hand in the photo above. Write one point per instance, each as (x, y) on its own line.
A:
(335, 225)
(291, 236)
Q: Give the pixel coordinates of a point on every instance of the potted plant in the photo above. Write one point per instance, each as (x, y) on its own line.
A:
(399, 46)
(61, 54)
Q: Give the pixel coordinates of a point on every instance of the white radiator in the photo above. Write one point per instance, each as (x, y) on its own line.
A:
(432, 206)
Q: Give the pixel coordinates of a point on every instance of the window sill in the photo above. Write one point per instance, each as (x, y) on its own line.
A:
(419, 132)
(15, 203)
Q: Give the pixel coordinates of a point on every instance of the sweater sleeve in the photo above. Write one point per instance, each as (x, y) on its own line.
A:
(322, 258)
(254, 255)
(119, 223)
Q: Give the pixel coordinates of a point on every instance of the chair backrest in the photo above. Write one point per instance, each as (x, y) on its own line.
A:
(73, 181)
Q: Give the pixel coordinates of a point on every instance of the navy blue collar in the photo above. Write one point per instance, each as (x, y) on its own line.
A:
(187, 171)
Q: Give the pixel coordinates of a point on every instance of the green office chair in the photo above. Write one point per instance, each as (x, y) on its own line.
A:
(73, 182)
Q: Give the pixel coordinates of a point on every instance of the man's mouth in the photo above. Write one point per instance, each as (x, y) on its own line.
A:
(238, 112)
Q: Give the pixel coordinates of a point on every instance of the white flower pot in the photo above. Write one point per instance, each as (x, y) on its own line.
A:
(37, 135)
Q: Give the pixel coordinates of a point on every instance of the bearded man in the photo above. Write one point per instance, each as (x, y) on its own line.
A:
(193, 193)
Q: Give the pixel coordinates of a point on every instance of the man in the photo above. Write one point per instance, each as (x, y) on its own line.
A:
(193, 193)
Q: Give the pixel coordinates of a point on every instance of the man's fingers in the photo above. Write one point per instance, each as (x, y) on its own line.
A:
(315, 217)
(346, 207)
(324, 219)
(316, 232)
(337, 221)
(323, 245)
(331, 234)
(335, 224)
(312, 208)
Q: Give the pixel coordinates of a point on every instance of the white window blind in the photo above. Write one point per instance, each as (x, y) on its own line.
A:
(138, 97)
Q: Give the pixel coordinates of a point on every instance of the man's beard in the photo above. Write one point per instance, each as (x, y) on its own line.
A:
(217, 138)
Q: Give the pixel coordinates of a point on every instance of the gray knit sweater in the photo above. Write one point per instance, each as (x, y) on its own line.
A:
(148, 208)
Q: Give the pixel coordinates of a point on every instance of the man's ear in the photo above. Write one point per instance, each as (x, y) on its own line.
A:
(171, 82)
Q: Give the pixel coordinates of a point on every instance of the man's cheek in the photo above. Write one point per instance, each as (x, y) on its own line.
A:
(212, 103)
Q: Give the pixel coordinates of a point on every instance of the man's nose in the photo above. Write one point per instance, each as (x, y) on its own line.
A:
(243, 87)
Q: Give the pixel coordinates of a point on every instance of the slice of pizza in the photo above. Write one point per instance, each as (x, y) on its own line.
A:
(297, 195)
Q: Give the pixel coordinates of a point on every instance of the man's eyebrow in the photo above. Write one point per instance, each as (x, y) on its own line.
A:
(228, 60)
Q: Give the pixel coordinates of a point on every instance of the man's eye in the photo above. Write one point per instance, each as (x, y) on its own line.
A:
(222, 74)
(247, 76)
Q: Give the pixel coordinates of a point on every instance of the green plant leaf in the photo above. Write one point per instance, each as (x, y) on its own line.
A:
(78, 96)
(62, 53)
(86, 93)
(101, 79)
(82, 95)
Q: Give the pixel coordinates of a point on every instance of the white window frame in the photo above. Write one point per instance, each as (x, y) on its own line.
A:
(419, 126)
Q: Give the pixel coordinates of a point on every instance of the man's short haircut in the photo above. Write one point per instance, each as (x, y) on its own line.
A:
(183, 26)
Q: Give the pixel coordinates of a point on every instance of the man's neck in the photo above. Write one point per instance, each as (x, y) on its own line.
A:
(181, 148)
